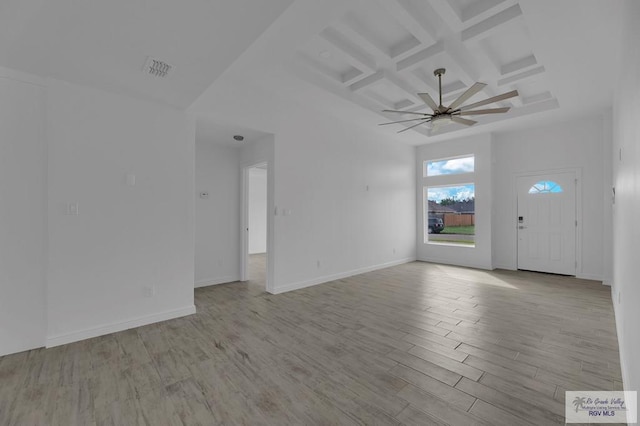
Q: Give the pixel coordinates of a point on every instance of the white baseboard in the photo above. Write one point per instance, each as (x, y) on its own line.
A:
(89, 333)
(592, 277)
(215, 281)
(326, 278)
(619, 331)
(21, 346)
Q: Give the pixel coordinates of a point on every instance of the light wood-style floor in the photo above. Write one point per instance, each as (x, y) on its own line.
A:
(416, 344)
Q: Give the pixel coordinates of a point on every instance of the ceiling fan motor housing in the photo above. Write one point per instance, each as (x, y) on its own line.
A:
(443, 115)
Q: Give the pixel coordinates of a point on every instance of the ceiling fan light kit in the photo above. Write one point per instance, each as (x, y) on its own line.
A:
(443, 116)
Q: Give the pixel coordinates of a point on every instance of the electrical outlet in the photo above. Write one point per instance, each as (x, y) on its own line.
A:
(318, 264)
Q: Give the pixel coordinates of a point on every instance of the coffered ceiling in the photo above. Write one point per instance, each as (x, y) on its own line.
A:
(354, 58)
(382, 53)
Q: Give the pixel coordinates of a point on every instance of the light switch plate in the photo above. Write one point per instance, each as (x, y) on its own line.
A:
(73, 209)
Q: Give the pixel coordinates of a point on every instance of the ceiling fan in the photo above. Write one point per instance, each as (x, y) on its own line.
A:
(443, 115)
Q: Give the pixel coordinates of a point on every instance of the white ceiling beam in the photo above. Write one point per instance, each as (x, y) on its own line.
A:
(359, 85)
(459, 53)
(454, 87)
(521, 76)
(404, 86)
(447, 12)
(355, 31)
(381, 101)
(349, 51)
(428, 83)
(404, 47)
(404, 12)
(403, 104)
(491, 25)
(480, 7)
(518, 65)
(351, 76)
(416, 59)
(304, 70)
(536, 98)
(319, 67)
(424, 78)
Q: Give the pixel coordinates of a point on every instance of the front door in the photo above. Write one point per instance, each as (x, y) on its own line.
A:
(547, 223)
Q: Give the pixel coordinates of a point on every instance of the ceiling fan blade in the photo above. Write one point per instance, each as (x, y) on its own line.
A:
(428, 100)
(466, 95)
(415, 125)
(463, 121)
(485, 111)
(407, 112)
(498, 98)
(401, 121)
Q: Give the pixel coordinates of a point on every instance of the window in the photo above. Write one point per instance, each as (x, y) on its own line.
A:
(545, 187)
(450, 214)
(449, 201)
(451, 166)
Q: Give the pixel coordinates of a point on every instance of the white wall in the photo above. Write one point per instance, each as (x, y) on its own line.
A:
(23, 158)
(126, 238)
(480, 146)
(345, 199)
(322, 166)
(626, 211)
(257, 211)
(578, 144)
(217, 217)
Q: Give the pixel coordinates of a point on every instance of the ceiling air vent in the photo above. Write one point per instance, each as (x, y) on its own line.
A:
(157, 68)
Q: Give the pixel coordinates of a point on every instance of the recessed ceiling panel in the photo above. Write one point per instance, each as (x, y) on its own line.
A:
(321, 51)
(382, 27)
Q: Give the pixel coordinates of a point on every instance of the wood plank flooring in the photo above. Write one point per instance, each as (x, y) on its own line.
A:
(416, 344)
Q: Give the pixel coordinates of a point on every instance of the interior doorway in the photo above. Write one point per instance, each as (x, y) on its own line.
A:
(547, 222)
(255, 236)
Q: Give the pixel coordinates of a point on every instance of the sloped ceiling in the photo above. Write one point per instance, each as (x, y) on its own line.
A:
(348, 58)
(105, 44)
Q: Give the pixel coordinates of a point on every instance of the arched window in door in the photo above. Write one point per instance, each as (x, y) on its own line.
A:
(545, 187)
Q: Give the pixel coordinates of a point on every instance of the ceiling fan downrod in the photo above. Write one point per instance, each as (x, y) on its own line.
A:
(439, 73)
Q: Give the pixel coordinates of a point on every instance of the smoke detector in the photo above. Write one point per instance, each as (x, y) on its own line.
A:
(157, 68)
